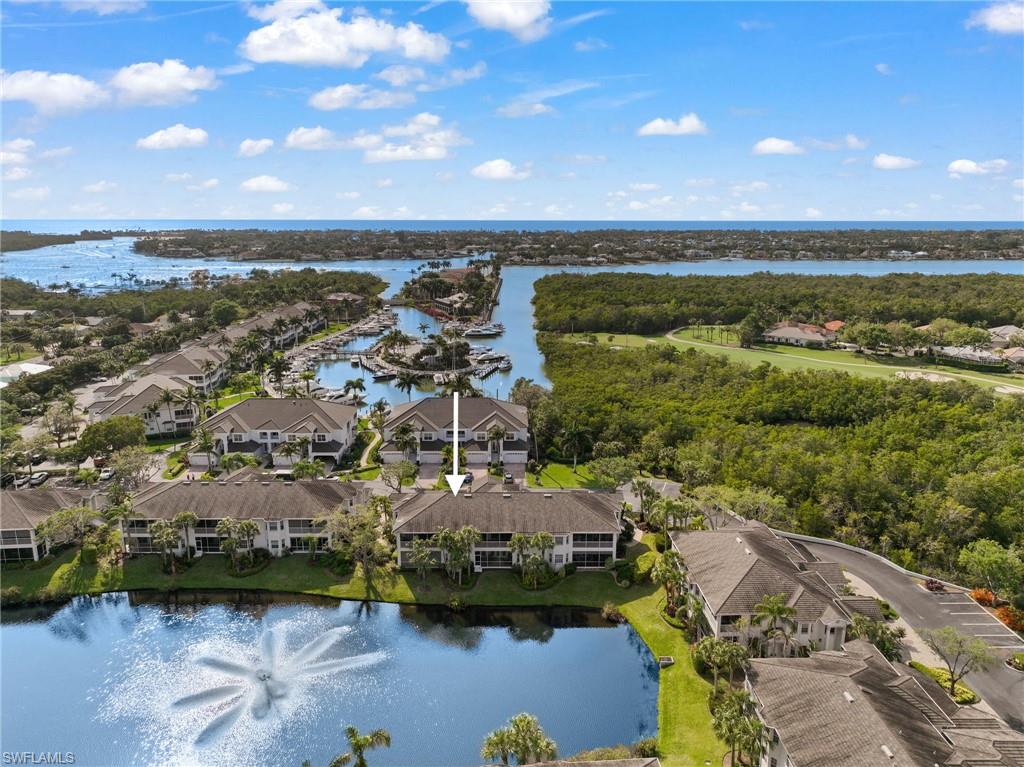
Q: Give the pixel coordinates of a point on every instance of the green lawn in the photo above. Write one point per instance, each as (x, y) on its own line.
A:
(799, 358)
(684, 723)
(25, 355)
(232, 399)
(161, 445)
(561, 475)
(369, 472)
(335, 327)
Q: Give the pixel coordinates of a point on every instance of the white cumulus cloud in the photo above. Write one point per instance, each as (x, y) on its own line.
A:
(400, 75)
(644, 187)
(812, 213)
(172, 82)
(883, 69)
(501, 170)
(893, 162)
(253, 147)
(773, 145)
(317, 36)
(527, 20)
(959, 168)
(104, 7)
(17, 174)
(99, 187)
(34, 193)
(687, 125)
(178, 136)
(1002, 18)
(358, 97)
(317, 138)
(202, 186)
(52, 92)
(265, 184)
(454, 78)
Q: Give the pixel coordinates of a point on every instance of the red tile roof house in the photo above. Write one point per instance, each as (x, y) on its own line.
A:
(799, 334)
(834, 326)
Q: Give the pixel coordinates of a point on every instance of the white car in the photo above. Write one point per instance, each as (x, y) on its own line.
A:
(38, 478)
(106, 474)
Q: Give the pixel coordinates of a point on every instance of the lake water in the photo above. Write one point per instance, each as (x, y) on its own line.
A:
(99, 678)
(93, 266)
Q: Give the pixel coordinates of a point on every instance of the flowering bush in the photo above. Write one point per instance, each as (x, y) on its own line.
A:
(983, 597)
(1012, 617)
(933, 585)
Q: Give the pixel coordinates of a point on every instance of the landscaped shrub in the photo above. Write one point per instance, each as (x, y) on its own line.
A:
(249, 563)
(644, 565)
(965, 696)
(340, 563)
(933, 585)
(1011, 616)
(89, 555)
(983, 597)
(10, 596)
(569, 569)
(611, 612)
(1017, 661)
(646, 748)
(1017, 600)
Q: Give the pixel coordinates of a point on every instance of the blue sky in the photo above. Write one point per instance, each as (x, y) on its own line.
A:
(513, 110)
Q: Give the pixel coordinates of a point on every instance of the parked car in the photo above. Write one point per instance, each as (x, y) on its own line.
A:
(22, 481)
(7, 479)
(38, 478)
(106, 474)
(99, 461)
(38, 458)
(509, 479)
(469, 477)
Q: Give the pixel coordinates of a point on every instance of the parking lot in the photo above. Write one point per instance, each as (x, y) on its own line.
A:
(970, 618)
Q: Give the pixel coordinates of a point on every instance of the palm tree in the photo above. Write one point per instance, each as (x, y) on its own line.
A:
(277, 367)
(423, 328)
(462, 384)
(166, 399)
(307, 376)
(193, 400)
(227, 529)
(405, 439)
(308, 470)
(354, 385)
(574, 438)
(498, 745)
(496, 437)
(406, 382)
(523, 739)
(668, 573)
(774, 611)
(183, 520)
(165, 537)
(359, 744)
(304, 447)
(289, 450)
(205, 443)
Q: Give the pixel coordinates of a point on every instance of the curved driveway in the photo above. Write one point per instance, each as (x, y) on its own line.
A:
(1001, 687)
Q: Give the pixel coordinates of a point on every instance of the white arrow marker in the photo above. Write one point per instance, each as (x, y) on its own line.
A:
(455, 479)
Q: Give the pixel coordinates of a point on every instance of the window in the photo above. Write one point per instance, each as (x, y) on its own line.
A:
(494, 540)
(804, 628)
(321, 437)
(237, 437)
(264, 435)
(510, 437)
(304, 544)
(589, 558)
(272, 525)
(15, 536)
(481, 436)
(275, 435)
(496, 558)
(293, 437)
(559, 559)
(275, 544)
(428, 436)
(592, 540)
(559, 540)
(16, 555)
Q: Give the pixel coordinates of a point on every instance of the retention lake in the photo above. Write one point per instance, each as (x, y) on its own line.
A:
(260, 679)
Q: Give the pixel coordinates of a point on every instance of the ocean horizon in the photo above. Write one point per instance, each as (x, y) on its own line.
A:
(74, 226)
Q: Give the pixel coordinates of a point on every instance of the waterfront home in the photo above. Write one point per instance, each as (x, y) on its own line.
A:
(799, 334)
(428, 422)
(1002, 334)
(346, 302)
(855, 709)
(282, 326)
(286, 430)
(834, 326)
(732, 569)
(455, 304)
(145, 398)
(16, 370)
(283, 512)
(585, 525)
(203, 367)
(21, 512)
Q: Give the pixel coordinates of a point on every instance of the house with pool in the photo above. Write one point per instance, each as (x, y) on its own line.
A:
(490, 430)
(284, 512)
(732, 569)
(585, 525)
(262, 427)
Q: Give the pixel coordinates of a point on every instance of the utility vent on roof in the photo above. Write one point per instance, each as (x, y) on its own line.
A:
(237, 483)
(888, 752)
(849, 698)
(745, 549)
(506, 495)
(287, 483)
(264, 483)
(204, 484)
(738, 539)
(186, 482)
(547, 495)
(467, 495)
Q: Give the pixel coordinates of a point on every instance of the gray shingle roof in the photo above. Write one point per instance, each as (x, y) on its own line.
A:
(838, 709)
(737, 567)
(26, 508)
(560, 512)
(474, 412)
(281, 415)
(244, 499)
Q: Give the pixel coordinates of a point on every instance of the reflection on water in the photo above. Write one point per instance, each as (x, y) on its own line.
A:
(217, 678)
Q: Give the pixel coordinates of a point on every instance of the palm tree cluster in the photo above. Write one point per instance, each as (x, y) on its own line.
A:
(457, 546)
(189, 398)
(734, 720)
(522, 739)
(531, 555)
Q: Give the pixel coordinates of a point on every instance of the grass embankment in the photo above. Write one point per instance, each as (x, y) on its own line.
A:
(800, 358)
(561, 476)
(334, 327)
(684, 723)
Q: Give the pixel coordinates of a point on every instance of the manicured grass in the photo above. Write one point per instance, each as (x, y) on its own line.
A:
(25, 355)
(561, 475)
(233, 399)
(799, 358)
(370, 472)
(161, 445)
(684, 723)
(335, 327)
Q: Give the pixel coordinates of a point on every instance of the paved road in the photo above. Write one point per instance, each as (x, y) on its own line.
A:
(1001, 687)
